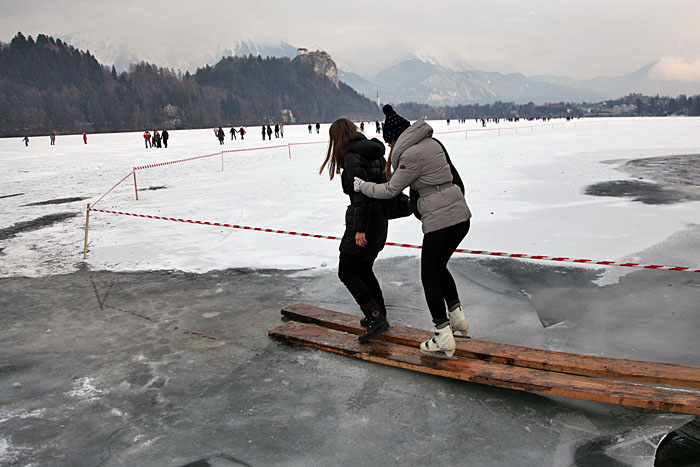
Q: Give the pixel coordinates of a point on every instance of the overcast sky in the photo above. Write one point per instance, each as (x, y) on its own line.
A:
(577, 38)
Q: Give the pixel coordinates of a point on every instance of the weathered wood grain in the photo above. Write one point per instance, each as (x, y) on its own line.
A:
(550, 360)
(491, 373)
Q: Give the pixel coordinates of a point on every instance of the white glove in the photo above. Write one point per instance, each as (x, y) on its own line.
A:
(358, 182)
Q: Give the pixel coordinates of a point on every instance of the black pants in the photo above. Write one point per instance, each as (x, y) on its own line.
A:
(438, 284)
(357, 275)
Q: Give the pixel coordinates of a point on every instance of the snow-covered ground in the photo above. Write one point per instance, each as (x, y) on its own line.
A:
(526, 190)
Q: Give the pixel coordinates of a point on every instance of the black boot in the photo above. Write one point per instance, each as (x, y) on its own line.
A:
(377, 322)
(364, 322)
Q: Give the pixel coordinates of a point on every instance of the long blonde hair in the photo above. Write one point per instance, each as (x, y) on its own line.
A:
(339, 132)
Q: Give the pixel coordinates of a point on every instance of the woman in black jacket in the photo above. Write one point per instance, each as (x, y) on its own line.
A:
(352, 155)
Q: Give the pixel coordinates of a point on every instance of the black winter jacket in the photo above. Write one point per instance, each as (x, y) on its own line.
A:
(363, 158)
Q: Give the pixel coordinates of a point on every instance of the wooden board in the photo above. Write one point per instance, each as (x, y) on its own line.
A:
(563, 362)
(491, 373)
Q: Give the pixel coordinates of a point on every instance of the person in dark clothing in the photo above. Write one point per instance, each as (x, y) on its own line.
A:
(277, 130)
(269, 132)
(309, 128)
(233, 133)
(352, 155)
(26, 140)
(53, 138)
(220, 133)
(242, 133)
(164, 136)
(421, 162)
(156, 135)
(263, 132)
(318, 128)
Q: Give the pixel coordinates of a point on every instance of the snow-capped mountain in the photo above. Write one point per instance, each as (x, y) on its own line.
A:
(104, 49)
(422, 79)
(642, 81)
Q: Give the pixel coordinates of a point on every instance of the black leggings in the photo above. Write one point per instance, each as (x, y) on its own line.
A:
(357, 275)
(438, 284)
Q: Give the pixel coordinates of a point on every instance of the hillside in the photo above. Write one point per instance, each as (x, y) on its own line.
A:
(48, 85)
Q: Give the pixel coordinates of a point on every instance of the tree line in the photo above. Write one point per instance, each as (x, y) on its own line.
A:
(47, 85)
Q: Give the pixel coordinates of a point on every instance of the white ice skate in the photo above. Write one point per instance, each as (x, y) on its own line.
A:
(458, 322)
(443, 341)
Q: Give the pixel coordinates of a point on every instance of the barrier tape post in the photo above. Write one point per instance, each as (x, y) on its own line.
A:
(87, 221)
(136, 190)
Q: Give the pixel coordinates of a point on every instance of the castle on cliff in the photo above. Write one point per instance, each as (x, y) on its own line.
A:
(321, 62)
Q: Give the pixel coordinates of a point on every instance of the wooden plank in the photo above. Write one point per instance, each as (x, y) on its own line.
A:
(493, 374)
(550, 360)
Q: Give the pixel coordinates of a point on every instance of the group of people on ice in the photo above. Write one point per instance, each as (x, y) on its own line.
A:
(374, 186)
(279, 131)
(52, 139)
(221, 136)
(155, 139)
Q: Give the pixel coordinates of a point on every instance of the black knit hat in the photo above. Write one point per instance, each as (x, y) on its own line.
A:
(394, 124)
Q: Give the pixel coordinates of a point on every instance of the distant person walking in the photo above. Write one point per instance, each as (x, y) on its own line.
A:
(26, 140)
(85, 138)
(221, 135)
(263, 132)
(318, 128)
(269, 132)
(351, 155)
(277, 130)
(165, 136)
(233, 133)
(53, 138)
(282, 130)
(309, 128)
(156, 136)
(421, 162)
(242, 133)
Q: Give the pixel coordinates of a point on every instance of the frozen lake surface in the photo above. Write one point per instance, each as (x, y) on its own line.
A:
(553, 189)
(154, 351)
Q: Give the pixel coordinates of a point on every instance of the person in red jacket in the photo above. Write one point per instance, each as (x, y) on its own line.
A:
(241, 132)
(147, 138)
(85, 138)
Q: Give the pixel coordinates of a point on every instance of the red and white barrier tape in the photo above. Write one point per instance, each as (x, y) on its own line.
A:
(161, 164)
(308, 142)
(226, 151)
(110, 190)
(505, 128)
(498, 254)
(254, 149)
